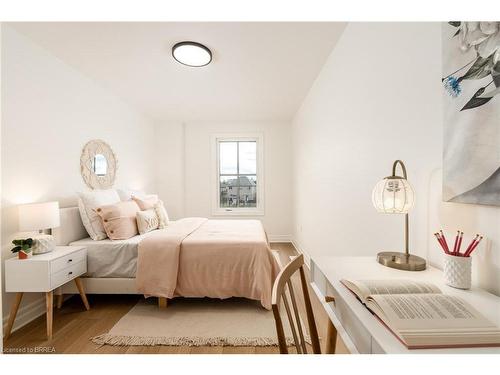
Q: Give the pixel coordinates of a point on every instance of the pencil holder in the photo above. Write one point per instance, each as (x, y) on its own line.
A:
(457, 271)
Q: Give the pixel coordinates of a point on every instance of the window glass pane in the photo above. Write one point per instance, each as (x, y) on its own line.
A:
(248, 191)
(228, 157)
(248, 157)
(229, 191)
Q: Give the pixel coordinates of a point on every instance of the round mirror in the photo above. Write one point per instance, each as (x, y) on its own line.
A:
(98, 165)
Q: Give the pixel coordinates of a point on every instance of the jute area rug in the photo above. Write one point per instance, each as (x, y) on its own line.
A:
(195, 322)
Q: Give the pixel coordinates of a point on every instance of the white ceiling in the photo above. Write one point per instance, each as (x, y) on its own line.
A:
(260, 71)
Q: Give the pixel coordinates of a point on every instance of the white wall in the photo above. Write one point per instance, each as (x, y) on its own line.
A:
(49, 111)
(377, 99)
(185, 170)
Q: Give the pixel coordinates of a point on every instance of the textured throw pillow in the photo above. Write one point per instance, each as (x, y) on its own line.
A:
(161, 212)
(146, 203)
(147, 221)
(119, 219)
(87, 203)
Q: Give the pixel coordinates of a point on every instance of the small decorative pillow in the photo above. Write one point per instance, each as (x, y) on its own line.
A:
(147, 221)
(87, 203)
(119, 219)
(146, 203)
(162, 214)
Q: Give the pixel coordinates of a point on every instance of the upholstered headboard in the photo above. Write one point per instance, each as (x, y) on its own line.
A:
(71, 228)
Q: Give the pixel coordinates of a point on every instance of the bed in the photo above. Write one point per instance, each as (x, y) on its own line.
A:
(218, 259)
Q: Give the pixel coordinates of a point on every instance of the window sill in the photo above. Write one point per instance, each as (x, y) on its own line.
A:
(238, 212)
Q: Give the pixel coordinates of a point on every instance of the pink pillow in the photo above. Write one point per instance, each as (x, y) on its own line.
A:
(146, 203)
(119, 220)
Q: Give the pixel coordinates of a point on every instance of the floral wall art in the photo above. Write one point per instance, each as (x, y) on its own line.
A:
(471, 90)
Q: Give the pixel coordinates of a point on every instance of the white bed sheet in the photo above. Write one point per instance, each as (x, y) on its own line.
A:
(111, 259)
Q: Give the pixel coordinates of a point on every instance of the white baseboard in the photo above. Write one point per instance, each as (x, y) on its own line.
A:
(26, 314)
(279, 238)
(300, 249)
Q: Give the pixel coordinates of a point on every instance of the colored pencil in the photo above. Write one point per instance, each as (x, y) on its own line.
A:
(474, 247)
(456, 243)
(439, 241)
(447, 249)
(442, 243)
(472, 243)
(460, 243)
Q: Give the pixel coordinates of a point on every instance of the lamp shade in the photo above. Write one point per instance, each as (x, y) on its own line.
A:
(393, 195)
(37, 216)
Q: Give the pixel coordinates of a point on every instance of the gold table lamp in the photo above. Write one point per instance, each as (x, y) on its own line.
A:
(394, 195)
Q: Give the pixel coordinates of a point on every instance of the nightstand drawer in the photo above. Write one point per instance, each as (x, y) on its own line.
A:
(61, 263)
(67, 274)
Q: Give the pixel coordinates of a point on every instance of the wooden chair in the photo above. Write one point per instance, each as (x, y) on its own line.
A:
(283, 283)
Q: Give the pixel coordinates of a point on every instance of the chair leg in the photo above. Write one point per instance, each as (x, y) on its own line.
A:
(331, 338)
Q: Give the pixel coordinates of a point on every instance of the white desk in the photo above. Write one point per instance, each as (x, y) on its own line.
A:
(359, 329)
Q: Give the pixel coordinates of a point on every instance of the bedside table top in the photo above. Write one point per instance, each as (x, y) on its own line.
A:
(58, 252)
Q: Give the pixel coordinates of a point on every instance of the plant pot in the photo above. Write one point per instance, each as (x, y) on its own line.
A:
(24, 254)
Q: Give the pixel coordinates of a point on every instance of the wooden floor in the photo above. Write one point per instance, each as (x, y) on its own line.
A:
(73, 327)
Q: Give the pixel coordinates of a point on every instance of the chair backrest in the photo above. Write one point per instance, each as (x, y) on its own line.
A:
(282, 284)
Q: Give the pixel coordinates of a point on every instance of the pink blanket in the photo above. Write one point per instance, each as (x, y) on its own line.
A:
(197, 257)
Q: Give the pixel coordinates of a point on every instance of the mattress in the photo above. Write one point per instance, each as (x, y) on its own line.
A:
(111, 259)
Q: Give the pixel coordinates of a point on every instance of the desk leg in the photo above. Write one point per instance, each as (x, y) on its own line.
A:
(49, 298)
(79, 285)
(13, 313)
(331, 338)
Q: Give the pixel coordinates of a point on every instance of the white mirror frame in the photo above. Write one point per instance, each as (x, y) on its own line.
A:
(90, 150)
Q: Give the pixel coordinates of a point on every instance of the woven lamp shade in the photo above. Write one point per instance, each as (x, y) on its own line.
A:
(393, 195)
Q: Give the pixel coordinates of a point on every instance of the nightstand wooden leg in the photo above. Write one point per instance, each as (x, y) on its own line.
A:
(59, 301)
(49, 297)
(79, 285)
(162, 302)
(13, 313)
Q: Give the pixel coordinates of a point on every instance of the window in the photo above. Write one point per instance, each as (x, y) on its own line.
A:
(239, 178)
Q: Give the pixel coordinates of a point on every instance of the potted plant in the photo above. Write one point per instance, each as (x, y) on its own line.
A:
(23, 248)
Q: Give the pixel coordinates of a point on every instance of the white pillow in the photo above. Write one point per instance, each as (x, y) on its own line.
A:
(87, 203)
(147, 221)
(126, 194)
(162, 214)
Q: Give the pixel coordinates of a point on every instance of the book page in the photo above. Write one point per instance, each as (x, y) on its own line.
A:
(396, 286)
(427, 312)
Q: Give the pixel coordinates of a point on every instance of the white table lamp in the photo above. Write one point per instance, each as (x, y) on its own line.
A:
(394, 195)
(38, 217)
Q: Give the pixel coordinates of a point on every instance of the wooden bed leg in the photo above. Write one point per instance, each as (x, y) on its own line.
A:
(162, 302)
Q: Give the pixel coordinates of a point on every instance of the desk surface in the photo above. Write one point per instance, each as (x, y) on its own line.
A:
(336, 268)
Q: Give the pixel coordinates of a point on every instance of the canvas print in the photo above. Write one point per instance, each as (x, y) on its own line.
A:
(471, 86)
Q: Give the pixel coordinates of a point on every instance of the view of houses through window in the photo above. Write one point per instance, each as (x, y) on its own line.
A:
(237, 174)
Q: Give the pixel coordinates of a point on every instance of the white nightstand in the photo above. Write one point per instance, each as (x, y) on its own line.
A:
(44, 273)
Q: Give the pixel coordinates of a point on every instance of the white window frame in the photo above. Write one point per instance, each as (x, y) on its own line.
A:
(237, 211)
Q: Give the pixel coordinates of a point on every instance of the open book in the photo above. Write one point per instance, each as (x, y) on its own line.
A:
(420, 316)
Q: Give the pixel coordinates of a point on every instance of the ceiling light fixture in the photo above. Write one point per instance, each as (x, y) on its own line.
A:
(191, 54)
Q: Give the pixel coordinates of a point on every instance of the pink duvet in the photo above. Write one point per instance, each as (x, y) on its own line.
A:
(197, 257)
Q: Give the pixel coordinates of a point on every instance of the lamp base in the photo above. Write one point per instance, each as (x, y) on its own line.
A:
(401, 261)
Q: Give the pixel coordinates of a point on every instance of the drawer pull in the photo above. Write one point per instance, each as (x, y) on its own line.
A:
(329, 299)
(70, 260)
(70, 273)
